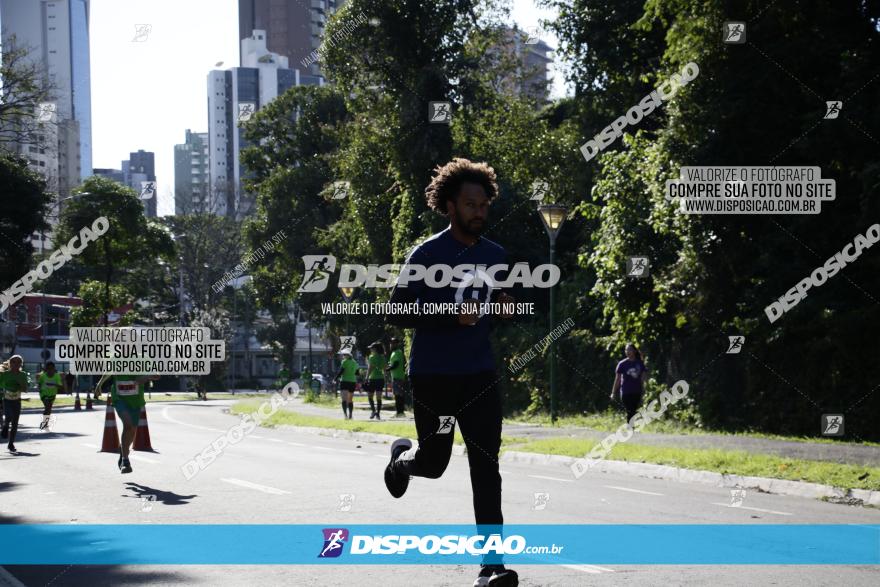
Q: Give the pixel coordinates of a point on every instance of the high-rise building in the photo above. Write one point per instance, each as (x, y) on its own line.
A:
(115, 174)
(295, 28)
(191, 177)
(140, 168)
(57, 34)
(532, 58)
(233, 96)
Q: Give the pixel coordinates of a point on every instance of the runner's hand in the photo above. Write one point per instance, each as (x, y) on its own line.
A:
(504, 298)
(469, 313)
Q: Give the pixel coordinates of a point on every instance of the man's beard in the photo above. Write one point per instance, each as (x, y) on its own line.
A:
(474, 228)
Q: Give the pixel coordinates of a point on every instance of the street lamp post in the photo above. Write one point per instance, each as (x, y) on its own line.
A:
(347, 295)
(177, 237)
(552, 215)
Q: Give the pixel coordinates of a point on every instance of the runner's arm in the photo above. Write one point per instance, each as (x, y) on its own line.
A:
(410, 295)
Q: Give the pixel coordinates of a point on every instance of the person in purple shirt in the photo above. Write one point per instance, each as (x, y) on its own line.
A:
(629, 379)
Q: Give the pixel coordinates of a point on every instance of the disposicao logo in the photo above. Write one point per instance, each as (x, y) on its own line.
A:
(319, 268)
(334, 541)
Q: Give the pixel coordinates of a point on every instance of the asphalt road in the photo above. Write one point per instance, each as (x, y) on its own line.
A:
(281, 476)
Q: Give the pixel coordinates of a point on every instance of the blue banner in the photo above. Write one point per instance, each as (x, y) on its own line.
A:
(623, 544)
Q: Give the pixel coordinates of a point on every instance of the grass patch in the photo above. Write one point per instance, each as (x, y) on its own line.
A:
(327, 400)
(721, 461)
(611, 420)
(290, 418)
(404, 429)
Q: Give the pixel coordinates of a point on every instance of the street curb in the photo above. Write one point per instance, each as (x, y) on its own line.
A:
(763, 484)
(457, 449)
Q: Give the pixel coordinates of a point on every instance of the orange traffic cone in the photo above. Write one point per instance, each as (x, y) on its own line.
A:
(76, 405)
(111, 433)
(142, 434)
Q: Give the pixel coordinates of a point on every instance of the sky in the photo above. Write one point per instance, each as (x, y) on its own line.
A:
(147, 89)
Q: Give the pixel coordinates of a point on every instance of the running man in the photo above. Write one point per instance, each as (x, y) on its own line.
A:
(397, 369)
(347, 377)
(49, 383)
(375, 383)
(127, 393)
(13, 382)
(451, 365)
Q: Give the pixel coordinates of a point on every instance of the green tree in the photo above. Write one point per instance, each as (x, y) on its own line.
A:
(96, 305)
(113, 257)
(24, 211)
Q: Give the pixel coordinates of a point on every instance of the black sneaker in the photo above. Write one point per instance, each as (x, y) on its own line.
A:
(125, 467)
(484, 576)
(11, 447)
(373, 415)
(396, 481)
(496, 576)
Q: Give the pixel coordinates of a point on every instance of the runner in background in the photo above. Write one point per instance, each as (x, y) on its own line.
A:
(48, 383)
(375, 383)
(397, 369)
(127, 393)
(347, 377)
(307, 379)
(13, 382)
(283, 378)
(629, 379)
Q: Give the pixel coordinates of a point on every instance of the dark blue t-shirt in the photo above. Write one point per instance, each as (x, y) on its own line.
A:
(632, 376)
(440, 343)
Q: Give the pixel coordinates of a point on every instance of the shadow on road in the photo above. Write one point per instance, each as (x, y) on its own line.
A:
(6, 456)
(165, 497)
(66, 545)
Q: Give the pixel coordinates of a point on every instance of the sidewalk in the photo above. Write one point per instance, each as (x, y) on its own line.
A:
(838, 452)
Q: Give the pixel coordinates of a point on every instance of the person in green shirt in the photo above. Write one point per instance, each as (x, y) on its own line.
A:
(283, 378)
(397, 369)
(347, 377)
(306, 379)
(48, 383)
(376, 378)
(13, 382)
(127, 394)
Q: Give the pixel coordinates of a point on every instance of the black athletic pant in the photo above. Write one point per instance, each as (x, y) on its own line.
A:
(47, 404)
(12, 409)
(631, 402)
(474, 402)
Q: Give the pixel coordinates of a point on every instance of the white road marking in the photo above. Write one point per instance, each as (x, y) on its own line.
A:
(249, 485)
(90, 445)
(552, 478)
(743, 507)
(632, 490)
(592, 569)
(173, 420)
(274, 440)
(323, 448)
